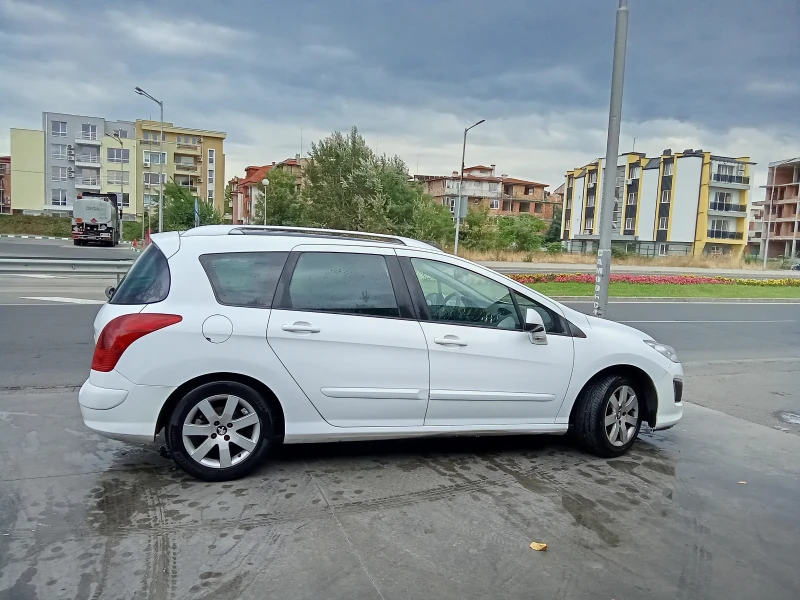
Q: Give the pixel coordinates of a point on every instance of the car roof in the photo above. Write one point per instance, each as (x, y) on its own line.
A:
(309, 235)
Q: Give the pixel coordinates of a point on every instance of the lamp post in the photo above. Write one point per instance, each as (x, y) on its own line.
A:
(265, 183)
(160, 103)
(461, 183)
(603, 267)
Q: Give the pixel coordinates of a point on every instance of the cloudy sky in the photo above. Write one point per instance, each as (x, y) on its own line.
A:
(722, 75)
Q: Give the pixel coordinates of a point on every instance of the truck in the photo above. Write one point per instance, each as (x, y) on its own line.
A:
(96, 217)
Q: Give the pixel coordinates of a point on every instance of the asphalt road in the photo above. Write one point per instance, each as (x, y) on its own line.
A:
(705, 510)
(31, 248)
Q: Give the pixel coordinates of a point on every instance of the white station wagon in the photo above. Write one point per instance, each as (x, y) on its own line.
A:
(233, 339)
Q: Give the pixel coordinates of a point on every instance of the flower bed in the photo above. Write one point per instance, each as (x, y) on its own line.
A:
(655, 279)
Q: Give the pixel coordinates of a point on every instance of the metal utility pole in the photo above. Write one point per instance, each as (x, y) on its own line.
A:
(603, 270)
(265, 183)
(160, 103)
(461, 184)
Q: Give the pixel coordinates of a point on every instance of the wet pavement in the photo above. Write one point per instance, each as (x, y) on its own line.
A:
(88, 518)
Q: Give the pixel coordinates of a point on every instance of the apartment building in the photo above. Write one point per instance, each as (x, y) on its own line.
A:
(502, 195)
(245, 190)
(781, 219)
(193, 158)
(5, 185)
(84, 153)
(27, 171)
(690, 202)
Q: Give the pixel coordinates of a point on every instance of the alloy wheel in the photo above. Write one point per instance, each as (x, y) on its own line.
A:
(221, 431)
(621, 415)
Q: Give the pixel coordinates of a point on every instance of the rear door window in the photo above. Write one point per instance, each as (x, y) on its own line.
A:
(244, 278)
(357, 284)
(147, 281)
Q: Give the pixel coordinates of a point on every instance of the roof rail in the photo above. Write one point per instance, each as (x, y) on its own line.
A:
(263, 229)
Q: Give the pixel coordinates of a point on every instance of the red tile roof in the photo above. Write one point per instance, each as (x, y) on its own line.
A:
(524, 182)
(482, 167)
(254, 175)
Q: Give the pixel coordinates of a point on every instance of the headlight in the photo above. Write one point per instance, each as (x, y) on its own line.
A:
(663, 349)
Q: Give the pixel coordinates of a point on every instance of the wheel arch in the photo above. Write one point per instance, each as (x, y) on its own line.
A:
(640, 376)
(260, 387)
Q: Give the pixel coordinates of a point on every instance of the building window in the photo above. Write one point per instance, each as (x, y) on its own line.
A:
(631, 197)
(59, 174)
(634, 172)
(211, 176)
(537, 208)
(716, 251)
(58, 128)
(593, 177)
(88, 131)
(663, 249)
(720, 225)
(524, 207)
(494, 203)
(118, 177)
(118, 155)
(629, 223)
(210, 195)
(210, 156)
(589, 225)
(724, 169)
(155, 158)
(668, 168)
(150, 200)
(58, 151)
(121, 133)
(152, 178)
(590, 200)
(58, 197)
(662, 222)
(569, 203)
(665, 196)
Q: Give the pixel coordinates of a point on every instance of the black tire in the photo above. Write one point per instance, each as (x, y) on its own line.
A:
(589, 428)
(76, 243)
(181, 454)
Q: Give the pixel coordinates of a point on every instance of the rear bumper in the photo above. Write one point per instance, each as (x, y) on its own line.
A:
(669, 412)
(117, 408)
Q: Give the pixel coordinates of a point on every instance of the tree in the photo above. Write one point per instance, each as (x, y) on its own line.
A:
(432, 222)
(522, 232)
(179, 209)
(343, 188)
(479, 230)
(554, 231)
(284, 205)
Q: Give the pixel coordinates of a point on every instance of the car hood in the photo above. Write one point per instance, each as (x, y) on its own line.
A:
(582, 320)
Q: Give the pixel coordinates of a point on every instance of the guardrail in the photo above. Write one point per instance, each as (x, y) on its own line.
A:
(59, 266)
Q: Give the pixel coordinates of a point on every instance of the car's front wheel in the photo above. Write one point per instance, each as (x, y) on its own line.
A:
(220, 431)
(608, 416)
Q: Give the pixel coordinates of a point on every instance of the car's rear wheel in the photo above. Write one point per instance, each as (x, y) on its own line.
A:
(220, 431)
(608, 416)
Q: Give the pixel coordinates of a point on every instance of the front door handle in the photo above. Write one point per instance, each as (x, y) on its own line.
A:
(450, 340)
(300, 327)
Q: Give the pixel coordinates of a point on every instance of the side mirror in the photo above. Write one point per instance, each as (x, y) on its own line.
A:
(534, 325)
(110, 291)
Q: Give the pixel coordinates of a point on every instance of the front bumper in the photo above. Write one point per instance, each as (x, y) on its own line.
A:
(669, 412)
(117, 408)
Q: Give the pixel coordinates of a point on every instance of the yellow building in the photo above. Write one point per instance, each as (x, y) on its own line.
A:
(193, 158)
(689, 202)
(27, 169)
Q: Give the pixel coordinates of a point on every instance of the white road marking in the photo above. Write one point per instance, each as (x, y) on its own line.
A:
(712, 321)
(64, 300)
(37, 276)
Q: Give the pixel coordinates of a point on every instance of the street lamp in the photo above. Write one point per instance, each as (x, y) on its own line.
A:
(160, 103)
(121, 180)
(461, 183)
(265, 183)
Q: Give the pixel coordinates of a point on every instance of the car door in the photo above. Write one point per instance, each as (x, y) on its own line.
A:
(484, 368)
(343, 326)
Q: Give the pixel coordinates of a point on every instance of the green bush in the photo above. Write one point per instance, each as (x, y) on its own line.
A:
(36, 225)
(554, 247)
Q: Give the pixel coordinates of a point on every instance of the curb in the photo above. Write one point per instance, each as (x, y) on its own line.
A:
(612, 299)
(47, 237)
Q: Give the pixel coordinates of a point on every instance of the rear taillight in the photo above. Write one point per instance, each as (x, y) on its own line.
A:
(121, 332)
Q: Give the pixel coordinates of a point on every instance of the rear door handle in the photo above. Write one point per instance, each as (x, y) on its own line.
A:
(449, 340)
(300, 327)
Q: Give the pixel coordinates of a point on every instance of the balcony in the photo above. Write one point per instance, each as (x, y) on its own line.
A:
(187, 149)
(188, 186)
(789, 200)
(738, 182)
(87, 160)
(721, 234)
(88, 183)
(737, 210)
(189, 168)
(3, 169)
(87, 138)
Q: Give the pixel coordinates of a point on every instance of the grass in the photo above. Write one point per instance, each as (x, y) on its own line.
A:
(666, 290)
(56, 226)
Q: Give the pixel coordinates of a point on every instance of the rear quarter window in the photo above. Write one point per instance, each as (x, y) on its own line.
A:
(147, 281)
(244, 278)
